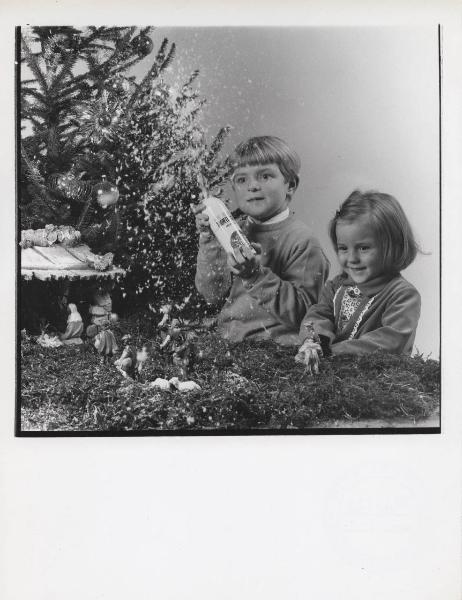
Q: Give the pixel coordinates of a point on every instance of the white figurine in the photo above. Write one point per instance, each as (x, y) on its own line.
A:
(141, 358)
(74, 327)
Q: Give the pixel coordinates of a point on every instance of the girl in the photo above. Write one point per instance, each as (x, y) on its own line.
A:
(369, 306)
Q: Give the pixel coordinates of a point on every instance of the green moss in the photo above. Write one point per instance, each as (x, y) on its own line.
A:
(246, 386)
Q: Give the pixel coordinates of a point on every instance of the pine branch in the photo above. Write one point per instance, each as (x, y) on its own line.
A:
(66, 71)
(86, 213)
(32, 63)
(169, 59)
(35, 94)
(219, 140)
(32, 171)
(191, 79)
(160, 56)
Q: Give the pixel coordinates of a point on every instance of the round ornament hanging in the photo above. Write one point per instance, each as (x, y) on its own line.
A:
(99, 119)
(105, 119)
(118, 86)
(142, 45)
(72, 43)
(106, 193)
(79, 190)
(62, 182)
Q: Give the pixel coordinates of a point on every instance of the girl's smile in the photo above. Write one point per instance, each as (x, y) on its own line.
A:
(358, 250)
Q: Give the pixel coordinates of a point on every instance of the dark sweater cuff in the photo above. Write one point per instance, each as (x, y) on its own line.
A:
(249, 282)
(324, 342)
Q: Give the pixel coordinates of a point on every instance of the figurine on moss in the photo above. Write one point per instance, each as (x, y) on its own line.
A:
(103, 338)
(179, 342)
(171, 334)
(165, 310)
(126, 364)
(310, 352)
(103, 320)
(184, 354)
(141, 358)
(101, 303)
(74, 327)
(49, 338)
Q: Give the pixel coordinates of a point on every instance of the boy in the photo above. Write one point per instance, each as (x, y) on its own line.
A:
(269, 293)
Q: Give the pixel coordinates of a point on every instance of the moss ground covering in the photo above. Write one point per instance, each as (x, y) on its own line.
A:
(249, 386)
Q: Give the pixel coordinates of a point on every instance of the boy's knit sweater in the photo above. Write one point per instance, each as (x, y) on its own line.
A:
(272, 303)
(385, 319)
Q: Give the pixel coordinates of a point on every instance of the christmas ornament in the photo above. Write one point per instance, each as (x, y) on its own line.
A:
(79, 190)
(73, 43)
(71, 187)
(161, 90)
(99, 119)
(142, 45)
(105, 120)
(60, 182)
(106, 193)
(119, 86)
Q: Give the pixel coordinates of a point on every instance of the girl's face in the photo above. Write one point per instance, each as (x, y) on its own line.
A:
(358, 250)
(261, 190)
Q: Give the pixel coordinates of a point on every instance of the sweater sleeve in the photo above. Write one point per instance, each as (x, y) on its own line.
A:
(321, 314)
(288, 297)
(213, 277)
(399, 324)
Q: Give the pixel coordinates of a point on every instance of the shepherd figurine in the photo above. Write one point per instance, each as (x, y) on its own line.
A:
(310, 351)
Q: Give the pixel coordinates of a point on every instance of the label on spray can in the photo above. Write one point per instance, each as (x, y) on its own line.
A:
(225, 228)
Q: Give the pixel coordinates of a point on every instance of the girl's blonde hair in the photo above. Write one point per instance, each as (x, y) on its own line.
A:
(388, 222)
(266, 149)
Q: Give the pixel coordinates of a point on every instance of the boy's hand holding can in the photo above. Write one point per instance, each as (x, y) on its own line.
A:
(243, 262)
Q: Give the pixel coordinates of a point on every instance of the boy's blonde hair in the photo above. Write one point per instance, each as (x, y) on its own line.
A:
(388, 222)
(266, 149)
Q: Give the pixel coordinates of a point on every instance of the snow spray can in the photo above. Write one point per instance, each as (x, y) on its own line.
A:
(225, 228)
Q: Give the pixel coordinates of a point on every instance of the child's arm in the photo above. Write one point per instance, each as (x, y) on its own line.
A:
(288, 297)
(399, 324)
(321, 314)
(213, 278)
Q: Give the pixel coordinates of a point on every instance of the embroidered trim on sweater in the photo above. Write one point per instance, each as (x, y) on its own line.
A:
(334, 299)
(359, 319)
(351, 300)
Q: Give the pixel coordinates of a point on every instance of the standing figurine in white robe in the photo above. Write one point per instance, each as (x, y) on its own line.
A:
(74, 327)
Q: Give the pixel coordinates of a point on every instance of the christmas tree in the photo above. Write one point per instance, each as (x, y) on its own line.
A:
(90, 132)
(162, 160)
(73, 94)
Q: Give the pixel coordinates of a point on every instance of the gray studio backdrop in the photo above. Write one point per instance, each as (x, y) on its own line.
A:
(360, 106)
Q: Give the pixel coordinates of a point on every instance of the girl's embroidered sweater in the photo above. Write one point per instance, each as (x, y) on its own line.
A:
(388, 322)
(272, 303)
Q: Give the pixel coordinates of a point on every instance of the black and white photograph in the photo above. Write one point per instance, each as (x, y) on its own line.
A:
(228, 230)
(230, 285)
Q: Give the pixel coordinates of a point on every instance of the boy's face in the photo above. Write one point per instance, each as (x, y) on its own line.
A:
(261, 190)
